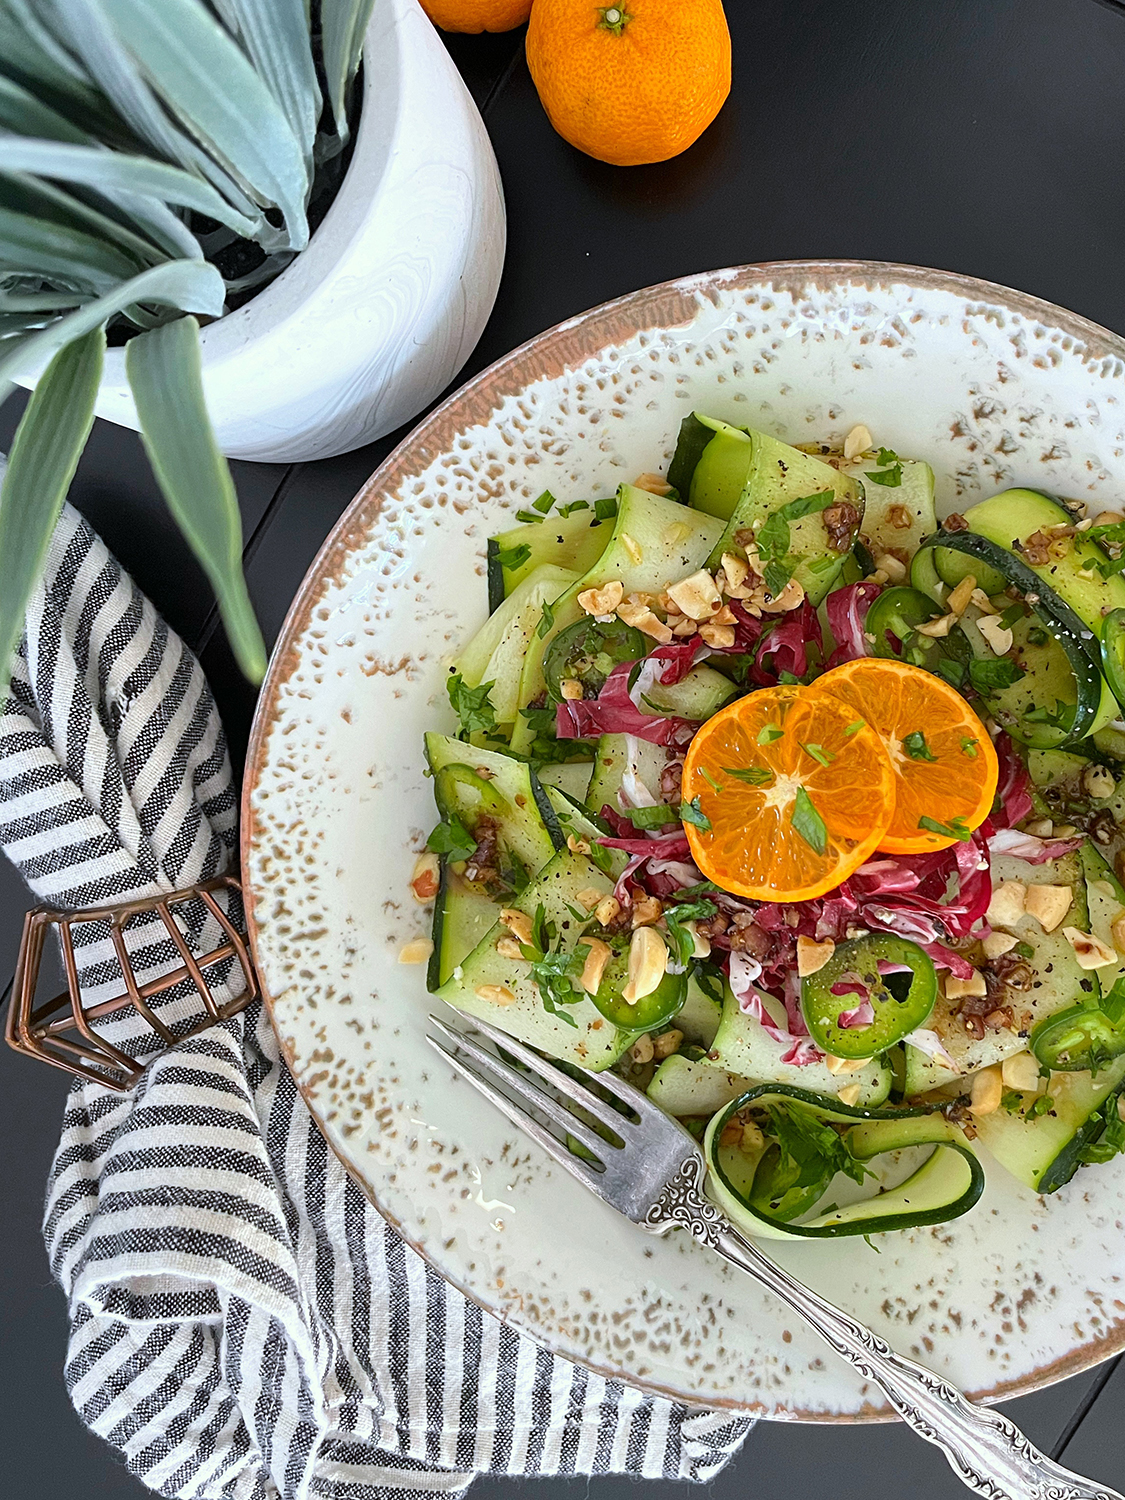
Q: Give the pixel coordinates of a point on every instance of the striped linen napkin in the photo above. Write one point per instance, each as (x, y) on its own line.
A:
(243, 1323)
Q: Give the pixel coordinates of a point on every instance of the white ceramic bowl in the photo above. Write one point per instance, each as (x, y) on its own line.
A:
(382, 309)
(993, 389)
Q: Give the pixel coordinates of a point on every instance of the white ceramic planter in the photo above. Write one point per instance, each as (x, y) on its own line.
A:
(388, 301)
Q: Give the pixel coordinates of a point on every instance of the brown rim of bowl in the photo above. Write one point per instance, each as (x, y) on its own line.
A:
(667, 305)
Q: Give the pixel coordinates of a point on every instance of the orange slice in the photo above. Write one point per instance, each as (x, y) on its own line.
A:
(944, 761)
(797, 788)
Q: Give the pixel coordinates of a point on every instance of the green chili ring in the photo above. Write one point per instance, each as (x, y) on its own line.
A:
(1113, 654)
(948, 1184)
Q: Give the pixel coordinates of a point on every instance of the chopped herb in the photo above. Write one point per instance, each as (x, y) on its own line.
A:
(540, 720)
(472, 706)
(1111, 1140)
(568, 510)
(544, 503)
(651, 817)
(915, 746)
(691, 812)
(552, 966)
(1041, 1105)
(969, 747)
(856, 727)
(704, 888)
(710, 780)
(513, 557)
(751, 775)
(605, 510)
(1037, 637)
(887, 456)
(776, 576)
(1059, 717)
(819, 753)
(890, 476)
(957, 829)
(1025, 950)
(546, 623)
(681, 940)
(1011, 1100)
(601, 857)
(452, 838)
(952, 671)
(807, 822)
(772, 540)
(988, 676)
(787, 679)
(529, 517)
(1013, 613)
(768, 733)
(1112, 1005)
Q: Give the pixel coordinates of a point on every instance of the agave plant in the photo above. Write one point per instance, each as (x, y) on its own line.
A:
(157, 162)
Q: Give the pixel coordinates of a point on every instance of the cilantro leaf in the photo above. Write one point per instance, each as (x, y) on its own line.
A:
(768, 733)
(651, 817)
(605, 510)
(471, 705)
(751, 775)
(776, 576)
(819, 754)
(691, 812)
(552, 967)
(806, 821)
(891, 476)
(957, 829)
(680, 938)
(1112, 1004)
(546, 623)
(916, 747)
(988, 676)
(544, 503)
(512, 558)
(969, 747)
(451, 837)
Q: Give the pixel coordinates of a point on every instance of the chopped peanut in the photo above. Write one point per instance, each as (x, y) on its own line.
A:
(986, 1091)
(603, 601)
(633, 548)
(998, 638)
(858, 441)
(647, 911)
(642, 1050)
(666, 1043)
(654, 483)
(725, 616)
(517, 922)
(696, 596)
(416, 952)
(1040, 828)
(900, 517)
(959, 599)
(1098, 782)
(1007, 905)
(996, 944)
(684, 626)
(701, 943)
(572, 690)
(938, 628)
(589, 899)
(983, 603)
(812, 956)
(850, 1093)
(720, 637)
(577, 845)
(734, 570)
(425, 878)
(648, 963)
(592, 970)
(1022, 1072)
(1117, 931)
(892, 568)
(751, 1140)
(792, 596)
(607, 909)
(958, 989)
(836, 1064)
(1090, 951)
(641, 617)
(509, 947)
(1048, 904)
(495, 994)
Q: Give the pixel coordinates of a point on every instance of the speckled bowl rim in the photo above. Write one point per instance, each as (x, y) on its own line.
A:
(669, 304)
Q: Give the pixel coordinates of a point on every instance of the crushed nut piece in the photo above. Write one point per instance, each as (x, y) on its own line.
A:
(416, 952)
(701, 942)
(858, 441)
(684, 626)
(792, 596)
(812, 956)
(850, 1093)
(603, 601)
(509, 947)
(592, 970)
(517, 922)
(996, 944)
(1090, 951)
(983, 603)
(571, 689)
(646, 911)
(666, 1043)
(734, 571)
(696, 596)
(937, 628)
(959, 989)
(961, 596)
(642, 1050)
(655, 484)
(1022, 1072)
(1048, 904)
(837, 1065)
(607, 910)
(998, 638)
(1008, 903)
(648, 963)
(751, 1140)
(986, 1091)
(893, 569)
(719, 637)
(1039, 828)
(577, 845)
(495, 994)
(641, 617)
(900, 518)
(1098, 782)
(425, 877)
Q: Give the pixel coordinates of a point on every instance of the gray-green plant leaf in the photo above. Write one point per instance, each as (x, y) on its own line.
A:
(187, 285)
(45, 453)
(343, 24)
(22, 112)
(165, 374)
(206, 80)
(99, 218)
(276, 35)
(51, 249)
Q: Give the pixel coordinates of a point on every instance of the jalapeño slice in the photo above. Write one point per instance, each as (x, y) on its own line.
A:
(1079, 1039)
(651, 1010)
(587, 652)
(890, 975)
(893, 620)
(451, 777)
(1113, 654)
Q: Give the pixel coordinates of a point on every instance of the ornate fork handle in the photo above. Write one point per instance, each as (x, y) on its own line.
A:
(988, 1453)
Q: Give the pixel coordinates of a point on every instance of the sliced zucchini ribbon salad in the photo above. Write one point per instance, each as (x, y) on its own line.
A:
(802, 812)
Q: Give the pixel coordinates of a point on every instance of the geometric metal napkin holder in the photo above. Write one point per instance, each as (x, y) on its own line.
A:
(62, 1032)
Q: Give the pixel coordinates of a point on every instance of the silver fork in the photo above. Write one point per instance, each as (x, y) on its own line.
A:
(655, 1178)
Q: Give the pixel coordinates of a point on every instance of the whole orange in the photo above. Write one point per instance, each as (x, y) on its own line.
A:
(630, 83)
(477, 15)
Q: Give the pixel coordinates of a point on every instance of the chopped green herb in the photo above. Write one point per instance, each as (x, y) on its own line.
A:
(472, 706)
(969, 747)
(1037, 636)
(1111, 1141)
(1013, 613)
(1059, 717)
(513, 557)
(568, 510)
(890, 476)
(682, 942)
(1112, 1004)
(776, 576)
(552, 967)
(1011, 1100)
(1025, 950)
(602, 857)
(529, 517)
(957, 829)
(819, 753)
(751, 775)
(452, 838)
(546, 623)
(544, 503)
(772, 539)
(856, 727)
(915, 746)
(651, 817)
(1041, 1105)
(605, 509)
(807, 822)
(768, 733)
(952, 671)
(710, 780)
(988, 676)
(788, 679)
(691, 812)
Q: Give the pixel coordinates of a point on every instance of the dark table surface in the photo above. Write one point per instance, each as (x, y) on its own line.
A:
(983, 136)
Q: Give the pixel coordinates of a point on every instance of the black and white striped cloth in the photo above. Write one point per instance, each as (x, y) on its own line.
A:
(243, 1322)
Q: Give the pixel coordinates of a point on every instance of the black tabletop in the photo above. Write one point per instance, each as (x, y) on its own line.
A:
(983, 136)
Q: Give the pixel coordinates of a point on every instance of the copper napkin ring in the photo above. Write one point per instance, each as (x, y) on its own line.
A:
(62, 1032)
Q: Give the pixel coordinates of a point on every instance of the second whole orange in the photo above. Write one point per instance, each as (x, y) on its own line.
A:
(477, 15)
(630, 83)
